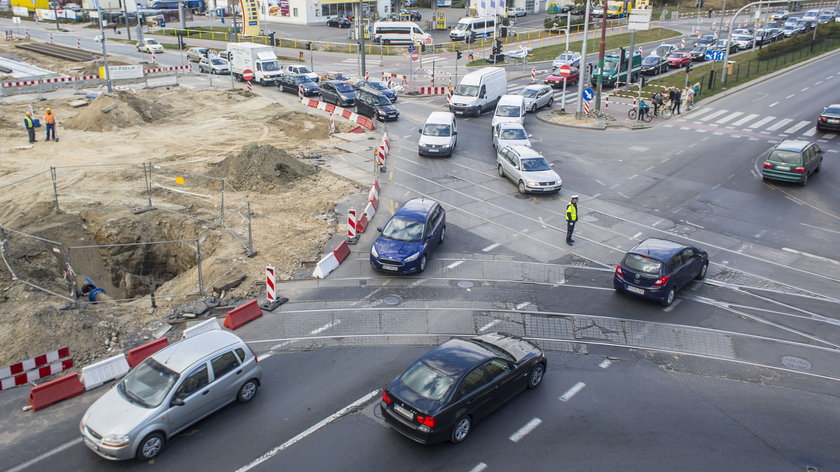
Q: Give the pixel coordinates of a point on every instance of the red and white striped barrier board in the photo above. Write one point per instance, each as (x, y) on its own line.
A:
(300, 91)
(351, 223)
(269, 283)
(343, 112)
(386, 143)
(248, 84)
(586, 107)
(49, 81)
(367, 75)
(164, 69)
(394, 76)
(51, 38)
(533, 76)
(682, 43)
(78, 43)
(373, 196)
(432, 90)
(36, 368)
(379, 154)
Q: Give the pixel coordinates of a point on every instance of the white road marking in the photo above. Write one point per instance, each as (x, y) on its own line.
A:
(632, 177)
(598, 194)
(793, 200)
(522, 305)
(668, 158)
(523, 431)
(604, 363)
(614, 186)
(489, 325)
(695, 225)
(625, 196)
(745, 119)
(602, 183)
(572, 391)
(660, 220)
(481, 466)
(325, 327)
(684, 128)
(701, 111)
(542, 223)
(454, 264)
(779, 124)
(491, 247)
(636, 236)
(312, 429)
(773, 104)
(762, 121)
(43, 456)
(791, 95)
(418, 282)
(713, 115)
(817, 227)
(818, 82)
(701, 131)
(797, 127)
(828, 136)
(808, 254)
(672, 306)
(806, 88)
(732, 116)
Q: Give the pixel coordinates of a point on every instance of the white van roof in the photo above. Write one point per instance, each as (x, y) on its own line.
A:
(405, 24)
(440, 117)
(474, 78)
(473, 19)
(512, 100)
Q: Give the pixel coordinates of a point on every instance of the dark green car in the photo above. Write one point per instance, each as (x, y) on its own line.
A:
(792, 161)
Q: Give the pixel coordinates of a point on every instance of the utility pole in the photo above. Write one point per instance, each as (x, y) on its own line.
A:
(602, 51)
(127, 23)
(361, 33)
(583, 63)
(55, 12)
(104, 52)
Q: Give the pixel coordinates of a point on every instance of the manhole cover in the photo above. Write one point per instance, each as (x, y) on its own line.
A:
(465, 284)
(797, 363)
(391, 300)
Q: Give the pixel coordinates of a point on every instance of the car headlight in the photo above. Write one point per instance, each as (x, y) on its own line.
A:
(412, 257)
(115, 440)
(373, 251)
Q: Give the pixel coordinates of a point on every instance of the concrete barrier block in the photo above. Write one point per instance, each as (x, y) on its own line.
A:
(203, 327)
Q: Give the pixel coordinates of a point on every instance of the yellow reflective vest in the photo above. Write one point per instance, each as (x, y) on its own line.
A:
(571, 212)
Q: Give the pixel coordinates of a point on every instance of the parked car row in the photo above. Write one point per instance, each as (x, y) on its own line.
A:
(366, 95)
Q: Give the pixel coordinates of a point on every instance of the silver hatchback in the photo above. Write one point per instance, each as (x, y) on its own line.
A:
(528, 169)
(169, 391)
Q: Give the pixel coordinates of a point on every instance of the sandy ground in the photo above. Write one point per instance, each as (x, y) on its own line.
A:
(249, 140)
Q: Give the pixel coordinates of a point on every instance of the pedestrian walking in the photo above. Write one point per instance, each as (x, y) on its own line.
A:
(689, 93)
(677, 101)
(696, 90)
(114, 26)
(710, 12)
(49, 121)
(571, 219)
(29, 124)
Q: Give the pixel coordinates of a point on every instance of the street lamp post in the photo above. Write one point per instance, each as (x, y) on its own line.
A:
(583, 62)
(729, 32)
(104, 52)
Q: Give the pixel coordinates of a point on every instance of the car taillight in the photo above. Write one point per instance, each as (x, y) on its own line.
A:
(385, 397)
(661, 281)
(822, 118)
(768, 165)
(427, 420)
(799, 170)
(618, 270)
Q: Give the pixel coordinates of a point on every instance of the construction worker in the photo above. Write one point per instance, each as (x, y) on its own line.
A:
(571, 219)
(49, 120)
(29, 124)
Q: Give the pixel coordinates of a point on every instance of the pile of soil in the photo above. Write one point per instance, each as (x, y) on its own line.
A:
(131, 110)
(261, 167)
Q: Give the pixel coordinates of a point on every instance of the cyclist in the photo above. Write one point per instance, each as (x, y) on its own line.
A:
(644, 109)
(658, 103)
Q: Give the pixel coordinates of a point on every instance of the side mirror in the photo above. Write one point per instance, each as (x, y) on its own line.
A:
(551, 164)
(420, 131)
(379, 228)
(530, 135)
(454, 133)
(177, 401)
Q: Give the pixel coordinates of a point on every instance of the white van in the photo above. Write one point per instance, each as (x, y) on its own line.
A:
(468, 29)
(478, 91)
(438, 135)
(511, 109)
(399, 32)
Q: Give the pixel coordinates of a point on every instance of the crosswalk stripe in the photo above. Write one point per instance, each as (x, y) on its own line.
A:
(762, 121)
(714, 115)
(729, 117)
(829, 136)
(701, 111)
(779, 124)
(745, 119)
(797, 127)
(810, 132)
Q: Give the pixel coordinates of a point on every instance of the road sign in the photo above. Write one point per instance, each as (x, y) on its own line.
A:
(715, 55)
(429, 40)
(410, 48)
(415, 55)
(247, 74)
(564, 70)
(588, 94)
(639, 19)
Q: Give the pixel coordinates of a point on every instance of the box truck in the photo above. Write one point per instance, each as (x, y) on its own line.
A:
(257, 58)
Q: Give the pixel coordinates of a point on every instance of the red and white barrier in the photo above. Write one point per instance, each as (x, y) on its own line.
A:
(78, 43)
(23, 372)
(394, 76)
(300, 91)
(533, 76)
(351, 223)
(432, 90)
(586, 108)
(97, 374)
(23, 83)
(682, 43)
(373, 196)
(269, 283)
(156, 70)
(331, 261)
(343, 112)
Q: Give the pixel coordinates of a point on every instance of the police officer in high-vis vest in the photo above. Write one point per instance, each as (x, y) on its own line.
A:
(571, 219)
(29, 124)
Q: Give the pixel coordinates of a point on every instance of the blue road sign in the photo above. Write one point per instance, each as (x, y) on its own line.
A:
(715, 55)
(588, 94)
(411, 48)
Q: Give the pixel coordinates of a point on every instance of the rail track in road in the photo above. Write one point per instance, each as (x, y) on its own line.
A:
(61, 52)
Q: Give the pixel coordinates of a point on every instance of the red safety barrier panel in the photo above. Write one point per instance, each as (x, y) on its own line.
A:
(54, 391)
(366, 122)
(329, 108)
(243, 314)
(138, 354)
(361, 225)
(342, 251)
(345, 113)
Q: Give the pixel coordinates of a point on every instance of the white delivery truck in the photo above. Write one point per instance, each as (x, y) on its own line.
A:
(257, 58)
(479, 91)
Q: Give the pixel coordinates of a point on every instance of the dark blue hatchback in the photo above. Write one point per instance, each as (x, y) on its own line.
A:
(657, 268)
(409, 238)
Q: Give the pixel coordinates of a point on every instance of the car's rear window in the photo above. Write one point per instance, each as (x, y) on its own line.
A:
(427, 382)
(788, 157)
(639, 263)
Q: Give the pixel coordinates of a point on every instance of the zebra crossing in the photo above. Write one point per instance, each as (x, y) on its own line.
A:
(737, 122)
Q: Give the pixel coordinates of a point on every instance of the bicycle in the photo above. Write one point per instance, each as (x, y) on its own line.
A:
(663, 111)
(646, 115)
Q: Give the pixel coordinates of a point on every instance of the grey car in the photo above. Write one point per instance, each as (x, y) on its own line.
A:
(213, 65)
(195, 54)
(537, 96)
(528, 169)
(510, 134)
(169, 391)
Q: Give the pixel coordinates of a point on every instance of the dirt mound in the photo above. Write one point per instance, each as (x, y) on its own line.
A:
(124, 110)
(261, 167)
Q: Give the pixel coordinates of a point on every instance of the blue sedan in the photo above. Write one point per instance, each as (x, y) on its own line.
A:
(409, 238)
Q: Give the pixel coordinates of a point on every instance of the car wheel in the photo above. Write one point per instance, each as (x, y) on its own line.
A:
(461, 430)
(442, 235)
(521, 187)
(150, 447)
(550, 102)
(534, 108)
(535, 379)
(669, 297)
(501, 171)
(702, 274)
(804, 180)
(423, 261)
(247, 391)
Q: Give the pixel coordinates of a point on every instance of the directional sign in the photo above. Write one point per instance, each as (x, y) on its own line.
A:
(410, 48)
(247, 74)
(588, 94)
(564, 70)
(715, 55)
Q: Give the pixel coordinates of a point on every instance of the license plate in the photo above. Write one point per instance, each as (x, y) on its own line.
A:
(833, 121)
(90, 444)
(404, 412)
(637, 290)
(389, 267)
(459, 113)
(782, 167)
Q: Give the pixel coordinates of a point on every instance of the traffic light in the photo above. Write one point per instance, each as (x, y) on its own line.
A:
(458, 55)
(688, 68)
(471, 57)
(309, 46)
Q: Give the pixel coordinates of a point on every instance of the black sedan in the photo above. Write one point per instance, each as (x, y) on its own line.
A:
(829, 119)
(413, 15)
(707, 40)
(339, 22)
(456, 384)
(654, 65)
(291, 82)
(698, 53)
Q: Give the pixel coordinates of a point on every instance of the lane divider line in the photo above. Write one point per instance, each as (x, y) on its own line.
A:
(523, 431)
(604, 363)
(572, 391)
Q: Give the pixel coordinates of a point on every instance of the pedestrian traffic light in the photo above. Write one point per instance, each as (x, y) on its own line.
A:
(470, 57)
(300, 55)
(458, 55)
(309, 46)
(688, 68)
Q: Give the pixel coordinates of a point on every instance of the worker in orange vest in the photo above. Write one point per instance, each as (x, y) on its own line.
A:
(49, 120)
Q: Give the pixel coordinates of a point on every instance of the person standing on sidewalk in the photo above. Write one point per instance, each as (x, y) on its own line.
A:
(689, 93)
(677, 101)
(29, 124)
(49, 121)
(571, 219)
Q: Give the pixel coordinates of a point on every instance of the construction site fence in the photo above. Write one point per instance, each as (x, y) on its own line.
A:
(161, 79)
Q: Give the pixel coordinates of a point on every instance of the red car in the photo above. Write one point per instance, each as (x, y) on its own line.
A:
(556, 80)
(678, 59)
